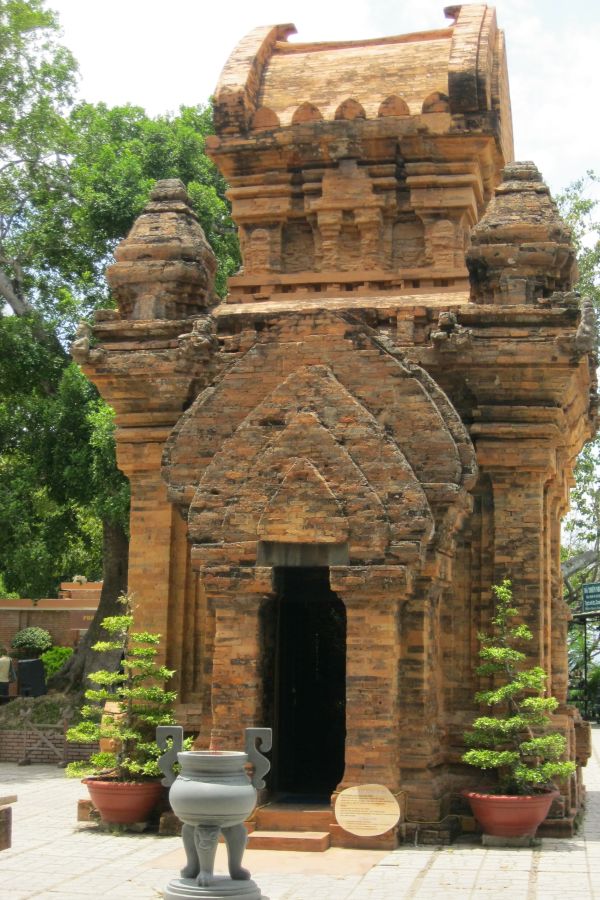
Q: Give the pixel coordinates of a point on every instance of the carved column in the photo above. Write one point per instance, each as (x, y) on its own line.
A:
(234, 596)
(561, 613)
(236, 677)
(330, 224)
(151, 523)
(519, 475)
(371, 596)
(370, 225)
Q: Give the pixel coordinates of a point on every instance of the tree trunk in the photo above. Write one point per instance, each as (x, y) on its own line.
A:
(578, 562)
(72, 678)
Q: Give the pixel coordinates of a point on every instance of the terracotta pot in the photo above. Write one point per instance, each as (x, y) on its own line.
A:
(505, 815)
(123, 802)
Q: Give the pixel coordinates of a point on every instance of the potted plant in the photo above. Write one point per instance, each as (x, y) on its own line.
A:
(122, 714)
(513, 740)
(31, 642)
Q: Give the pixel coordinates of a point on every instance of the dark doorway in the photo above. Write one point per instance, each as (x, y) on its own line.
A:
(309, 685)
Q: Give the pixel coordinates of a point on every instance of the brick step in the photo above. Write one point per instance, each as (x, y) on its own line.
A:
(293, 817)
(311, 841)
(558, 828)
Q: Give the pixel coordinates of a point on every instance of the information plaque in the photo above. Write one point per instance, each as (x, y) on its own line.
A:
(367, 810)
(591, 597)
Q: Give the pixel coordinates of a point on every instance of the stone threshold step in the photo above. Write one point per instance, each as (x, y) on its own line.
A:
(293, 817)
(307, 841)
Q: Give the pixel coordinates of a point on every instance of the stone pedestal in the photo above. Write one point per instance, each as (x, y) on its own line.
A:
(221, 887)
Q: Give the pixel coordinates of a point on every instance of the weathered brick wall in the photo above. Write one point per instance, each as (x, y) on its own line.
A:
(57, 622)
(9, 625)
(64, 617)
(15, 745)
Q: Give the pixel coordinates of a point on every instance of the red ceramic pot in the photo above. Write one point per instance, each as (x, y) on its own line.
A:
(123, 802)
(507, 815)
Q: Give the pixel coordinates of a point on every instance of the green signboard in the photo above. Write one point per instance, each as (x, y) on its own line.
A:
(591, 597)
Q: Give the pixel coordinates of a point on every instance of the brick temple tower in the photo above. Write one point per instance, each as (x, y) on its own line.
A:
(331, 467)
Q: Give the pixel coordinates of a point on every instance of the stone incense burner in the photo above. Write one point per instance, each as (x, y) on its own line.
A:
(213, 795)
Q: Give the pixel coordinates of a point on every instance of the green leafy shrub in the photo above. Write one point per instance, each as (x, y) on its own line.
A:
(514, 739)
(31, 642)
(143, 703)
(54, 659)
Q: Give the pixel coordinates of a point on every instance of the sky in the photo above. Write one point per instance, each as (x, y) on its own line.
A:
(160, 55)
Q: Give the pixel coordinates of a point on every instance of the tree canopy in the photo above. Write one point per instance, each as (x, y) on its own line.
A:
(581, 531)
(73, 177)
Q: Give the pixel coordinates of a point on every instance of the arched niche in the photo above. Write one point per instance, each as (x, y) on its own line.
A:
(436, 102)
(350, 109)
(264, 119)
(307, 112)
(393, 106)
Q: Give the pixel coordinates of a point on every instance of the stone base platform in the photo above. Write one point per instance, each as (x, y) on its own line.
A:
(220, 888)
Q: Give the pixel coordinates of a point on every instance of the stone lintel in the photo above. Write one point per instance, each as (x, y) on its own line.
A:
(233, 581)
(310, 142)
(212, 556)
(546, 415)
(391, 582)
(117, 329)
(545, 432)
(518, 315)
(518, 459)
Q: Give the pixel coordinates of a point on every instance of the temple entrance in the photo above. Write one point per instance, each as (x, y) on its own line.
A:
(309, 685)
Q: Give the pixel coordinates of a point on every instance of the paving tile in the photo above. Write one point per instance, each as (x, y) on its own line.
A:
(67, 861)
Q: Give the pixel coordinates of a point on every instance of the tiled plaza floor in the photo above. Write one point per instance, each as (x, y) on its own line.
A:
(54, 857)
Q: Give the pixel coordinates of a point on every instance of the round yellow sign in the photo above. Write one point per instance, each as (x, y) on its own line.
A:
(367, 809)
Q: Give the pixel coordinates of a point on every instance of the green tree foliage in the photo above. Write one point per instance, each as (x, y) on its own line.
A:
(72, 181)
(514, 740)
(58, 478)
(119, 155)
(54, 659)
(143, 704)
(37, 77)
(581, 533)
(579, 209)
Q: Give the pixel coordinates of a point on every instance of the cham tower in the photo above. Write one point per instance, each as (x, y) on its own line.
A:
(332, 466)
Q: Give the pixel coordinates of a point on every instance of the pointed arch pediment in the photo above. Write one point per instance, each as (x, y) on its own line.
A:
(310, 415)
(392, 427)
(303, 510)
(399, 395)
